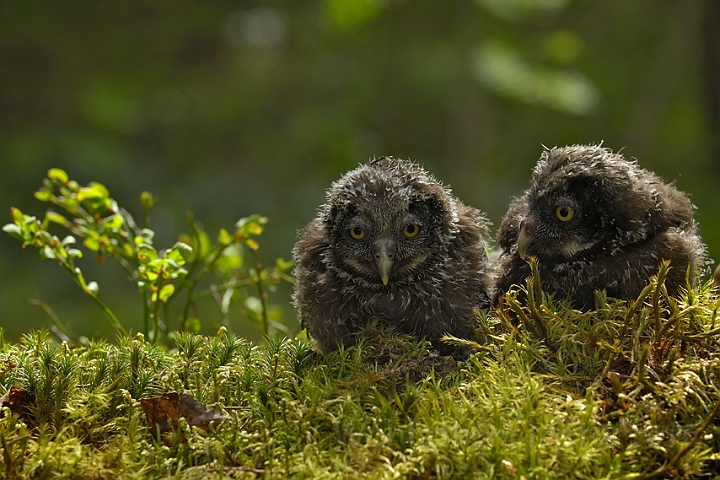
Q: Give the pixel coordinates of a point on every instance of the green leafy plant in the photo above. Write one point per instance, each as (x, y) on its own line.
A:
(90, 214)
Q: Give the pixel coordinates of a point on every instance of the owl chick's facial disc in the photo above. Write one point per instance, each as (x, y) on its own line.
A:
(386, 229)
(562, 223)
(387, 245)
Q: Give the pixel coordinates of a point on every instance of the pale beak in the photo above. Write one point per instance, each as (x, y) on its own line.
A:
(526, 236)
(384, 252)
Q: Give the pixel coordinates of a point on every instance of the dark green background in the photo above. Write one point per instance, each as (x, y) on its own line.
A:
(234, 108)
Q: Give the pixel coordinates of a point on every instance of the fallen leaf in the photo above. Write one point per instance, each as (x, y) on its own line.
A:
(166, 410)
(18, 401)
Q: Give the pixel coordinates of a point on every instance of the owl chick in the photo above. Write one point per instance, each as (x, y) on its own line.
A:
(596, 221)
(390, 244)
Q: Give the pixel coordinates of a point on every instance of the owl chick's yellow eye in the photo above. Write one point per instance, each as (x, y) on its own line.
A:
(411, 230)
(564, 213)
(357, 233)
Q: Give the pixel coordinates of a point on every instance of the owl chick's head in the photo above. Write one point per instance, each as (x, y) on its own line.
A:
(586, 199)
(387, 220)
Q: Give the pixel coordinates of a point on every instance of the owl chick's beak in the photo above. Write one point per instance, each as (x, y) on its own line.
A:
(384, 252)
(526, 236)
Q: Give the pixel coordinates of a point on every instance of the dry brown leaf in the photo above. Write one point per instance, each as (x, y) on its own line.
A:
(18, 401)
(166, 410)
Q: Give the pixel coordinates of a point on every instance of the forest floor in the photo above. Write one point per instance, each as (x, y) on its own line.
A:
(629, 390)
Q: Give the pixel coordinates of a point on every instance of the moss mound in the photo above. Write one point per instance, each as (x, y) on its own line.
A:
(629, 390)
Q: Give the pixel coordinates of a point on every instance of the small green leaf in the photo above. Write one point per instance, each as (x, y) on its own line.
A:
(283, 264)
(200, 242)
(252, 225)
(94, 191)
(114, 222)
(157, 265)
(71, 204)
(147, 200)
(192, 324)
(150, 275)
(93, 243)
(45, 237)
(254, 229)
(47, 253)
(251, 243)
(180, 252)
(55, 217)
(230, 260)
(96, 198)
(43, 195)
(30, 224)
(58, 175)
(146, 254)
(145, 237)
(224, 238)
(68, 240)
(166, 292)
(17, 215)
(172, 264)
(14, 231)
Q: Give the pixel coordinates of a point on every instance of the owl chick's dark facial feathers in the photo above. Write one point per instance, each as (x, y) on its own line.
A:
(596, 221)
(392, 244)
(389, 227)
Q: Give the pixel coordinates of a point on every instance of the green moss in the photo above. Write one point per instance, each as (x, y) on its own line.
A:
(626, 391)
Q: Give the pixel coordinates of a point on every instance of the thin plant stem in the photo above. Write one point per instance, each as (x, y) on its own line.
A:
(146, 313)
(261, 292)
(62, 328)
(156, 321)
(109, 314)
(230, 284)
(195, 281)
(77, 276)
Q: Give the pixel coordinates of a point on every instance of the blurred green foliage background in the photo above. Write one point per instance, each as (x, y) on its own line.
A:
(232, 108)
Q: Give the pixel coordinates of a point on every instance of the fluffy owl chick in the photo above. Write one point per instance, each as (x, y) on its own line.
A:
(392, 244)
(596, 221)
